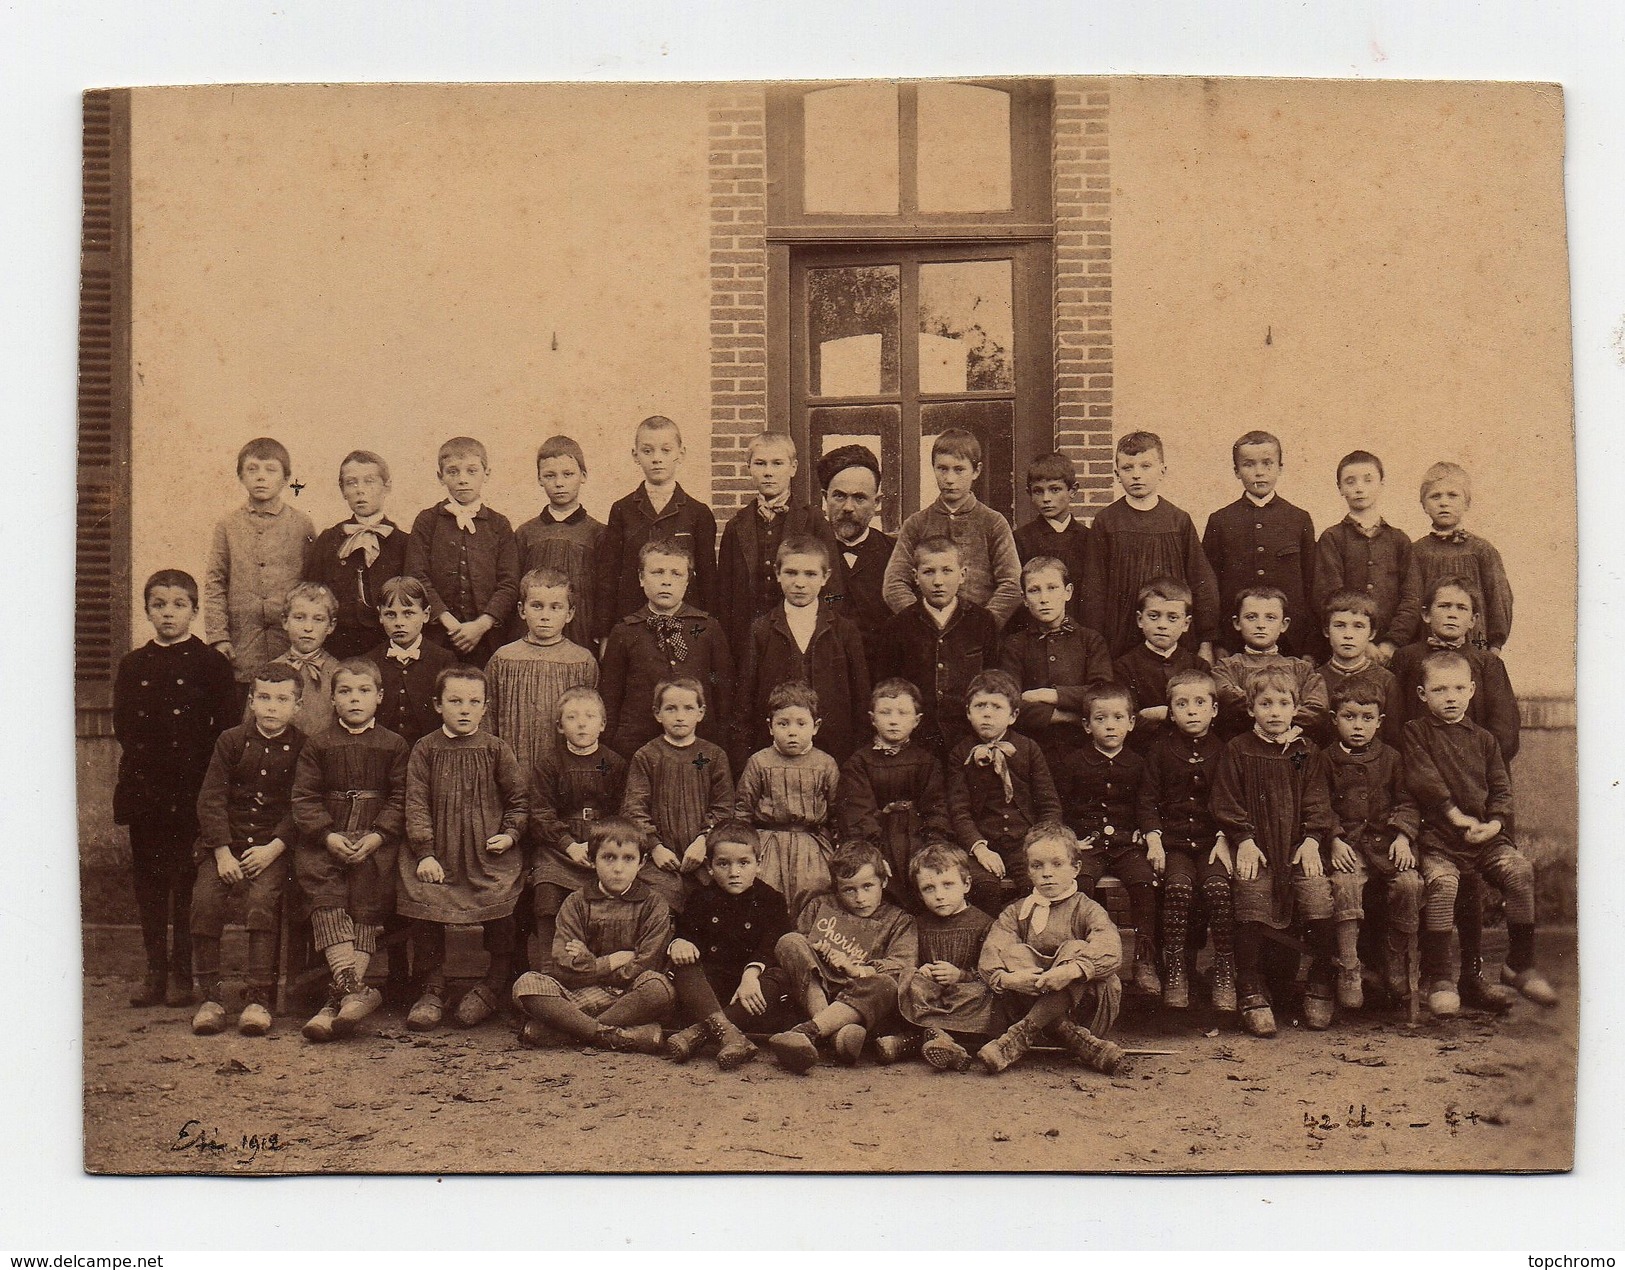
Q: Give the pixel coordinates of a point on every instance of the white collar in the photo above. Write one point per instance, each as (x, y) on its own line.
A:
(801, 615)
(941, 617)
(371, 522)
(1062, 525)
(558, 517)
(1274, 650)
(1143, 504)
(856, 542)
(455, 736)
(1364, 663)
(591, 749)
(416, 646)
(658, 502)
(680, 745)
(361, 731)
(1158, 653)
(1285, 739)
(1258, 502)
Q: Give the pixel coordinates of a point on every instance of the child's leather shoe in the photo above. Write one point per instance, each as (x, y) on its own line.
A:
(943, 1052)
(478, 1004)
(795, 1050)
(894, 1049)
(1257, 1019)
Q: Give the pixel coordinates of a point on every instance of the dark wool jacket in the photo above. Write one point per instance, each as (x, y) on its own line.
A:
(406, 705)
(634, 664)
(833, 664)
(941, 664)
(355, 584)
(632, 522)
(747, 565)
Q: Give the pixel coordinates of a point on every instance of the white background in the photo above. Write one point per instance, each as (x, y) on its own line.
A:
(49, 54)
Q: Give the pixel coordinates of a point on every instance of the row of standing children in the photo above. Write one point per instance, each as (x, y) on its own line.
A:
(540, 678)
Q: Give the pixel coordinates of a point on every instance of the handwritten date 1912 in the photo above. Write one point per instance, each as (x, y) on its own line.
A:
(194, 1136)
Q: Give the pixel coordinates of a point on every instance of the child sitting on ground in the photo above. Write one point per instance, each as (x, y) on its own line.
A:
(1376, 827)
(1261, 620)
(1183, 844)
(245, 826)
(1163, 615)
(562, 535)
(356, 556)
(308, 618)
(999, 787)
(1459, 779)
(467, 803)
(349, 791)
(678, 788)
(892, 792)
(1365, 554)
(410, 664)
(572, 787)
(528, 677)
(172, 698)
(1052, 961)
(1447, 550)
(1272, 800)
(788, 792)
(724, 950)
(946, 998)
(1350, 619)
(606, 987)
(844, 962)
(1052, 658)
(1100, 794)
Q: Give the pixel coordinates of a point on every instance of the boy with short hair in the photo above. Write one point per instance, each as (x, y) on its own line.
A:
(1140, 537)
(1272, 799)
(606, 987)
(1052, 959)
(1450, 612)
(349, 791)
(724, 949)
(465, 555)
(999, 787)
(562, 535)
(668, 638)
(892, 792)
(940, 643)
(245, 826)
(257, 553)
(1163, 614)
(1364, 553)
(1052, 657)
(987, 549)
(172, 697)
(801, 638)
(1448, 550)
(1376, 827)
(354, 557)
(1183, 843)
(678, 788)
(748, 558)
(1054, 533)
(410, 665)
(1100, 791)
(1261, 621)
(1263, 540)
(659, 509)
(572, 786)
(844, 961)
(1350, 622)
(1459, 779)
(528, 677)
(467, 804)
(309, 615)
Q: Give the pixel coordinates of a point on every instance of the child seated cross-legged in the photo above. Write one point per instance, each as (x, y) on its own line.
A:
(606, 987)
(1100, 792)
(945, 998)
(1052, 959)
(1184, 845)
(467, 803)
(1163, 615)
(1261, 619)
(892, 792)
(844, 961)
(788, 792)
(724, 951)
(678, 788)
(571, 787)
(1376, 825)
(245, 826)
(1272, 799)
(349, 791)
(999, 787)
(1459, 779)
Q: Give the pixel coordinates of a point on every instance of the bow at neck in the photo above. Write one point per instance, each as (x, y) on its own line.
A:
(464, 516)
(1037, 907)
(995, 754)
(365, 536)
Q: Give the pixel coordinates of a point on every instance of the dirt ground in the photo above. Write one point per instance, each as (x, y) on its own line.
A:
(1472, 1093)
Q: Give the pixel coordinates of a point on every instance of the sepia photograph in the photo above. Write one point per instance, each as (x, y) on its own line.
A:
(870, 626)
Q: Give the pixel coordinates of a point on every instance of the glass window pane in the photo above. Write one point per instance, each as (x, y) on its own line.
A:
(993, 423)
(967, 330)
(850, 161)
(964, 149)
(852, 329)
(879, 430)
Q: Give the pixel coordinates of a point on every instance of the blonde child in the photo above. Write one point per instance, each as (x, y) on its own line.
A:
(1365, 554)
(465, 555)
(678, 788)
(309, 615)
(606, 986)
(257, 553)
(1448, 550)
(562, 535)
(528, 677)
(349, 791)
(788, 791)
(844, 962)
(467, 803)
(356, 556)
(1052, 960)
(660, 509)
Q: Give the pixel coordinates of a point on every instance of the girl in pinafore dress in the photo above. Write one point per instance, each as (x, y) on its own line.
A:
(466, 807)
(528, 677)
(787, 791)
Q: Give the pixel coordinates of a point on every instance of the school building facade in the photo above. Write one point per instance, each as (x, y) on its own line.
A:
(1047, 262)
